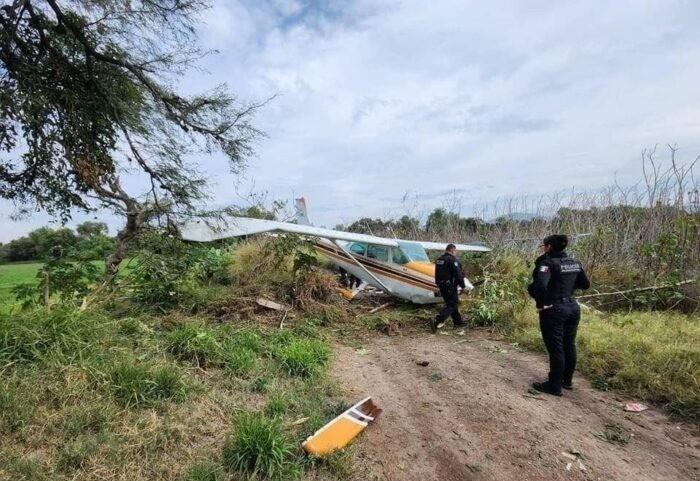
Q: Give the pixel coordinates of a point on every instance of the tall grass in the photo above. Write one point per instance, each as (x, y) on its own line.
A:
(651, 356)
(42, 334)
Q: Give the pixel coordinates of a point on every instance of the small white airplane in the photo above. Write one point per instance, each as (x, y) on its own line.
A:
(398, 267)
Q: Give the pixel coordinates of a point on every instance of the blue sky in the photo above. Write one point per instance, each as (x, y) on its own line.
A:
(380, 101)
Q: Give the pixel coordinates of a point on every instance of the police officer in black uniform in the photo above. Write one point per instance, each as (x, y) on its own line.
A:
(555, 277)
(448, 276)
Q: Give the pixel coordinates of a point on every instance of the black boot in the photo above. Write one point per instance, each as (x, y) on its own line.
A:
(545, 387)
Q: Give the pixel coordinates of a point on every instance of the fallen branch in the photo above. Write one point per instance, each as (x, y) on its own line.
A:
(379, 308)
(640, 289)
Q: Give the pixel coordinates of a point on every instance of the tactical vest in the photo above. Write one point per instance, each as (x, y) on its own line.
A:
(562, 282)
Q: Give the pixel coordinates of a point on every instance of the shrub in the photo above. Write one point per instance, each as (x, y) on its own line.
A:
(137, 385)
(272, 267)
(213, 266)
(303, 357)
(193, 342)
(159, 270)
(502, 295)
(68, 281)
(257, 446)
(166, 272)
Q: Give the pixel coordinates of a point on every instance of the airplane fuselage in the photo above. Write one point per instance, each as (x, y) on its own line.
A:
(413, 280)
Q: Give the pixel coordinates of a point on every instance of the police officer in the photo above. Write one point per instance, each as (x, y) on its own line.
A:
(555, 277)
(448, 276)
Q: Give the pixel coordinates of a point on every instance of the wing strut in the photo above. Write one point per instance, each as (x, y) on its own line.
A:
(381, 284)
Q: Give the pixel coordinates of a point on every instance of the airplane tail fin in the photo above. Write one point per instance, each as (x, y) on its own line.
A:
(302, 216)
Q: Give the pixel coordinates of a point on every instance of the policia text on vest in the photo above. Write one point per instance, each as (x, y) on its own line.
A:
(554, 279)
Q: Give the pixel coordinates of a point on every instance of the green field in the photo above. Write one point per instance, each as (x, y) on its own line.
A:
(14, 274)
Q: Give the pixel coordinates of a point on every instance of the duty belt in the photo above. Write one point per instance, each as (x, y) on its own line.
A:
(564, 300)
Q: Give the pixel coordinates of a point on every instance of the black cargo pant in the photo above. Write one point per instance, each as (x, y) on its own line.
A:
(559, 324)
(451, 297)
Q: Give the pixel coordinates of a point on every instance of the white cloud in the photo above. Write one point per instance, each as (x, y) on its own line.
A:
(378, 99)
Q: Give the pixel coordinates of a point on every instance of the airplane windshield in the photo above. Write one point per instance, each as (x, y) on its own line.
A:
(414, 251)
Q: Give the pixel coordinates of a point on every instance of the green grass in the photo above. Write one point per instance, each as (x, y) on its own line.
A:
(61, 335)
(75, 454)
(204, 471)
(258, 446)
(97, 394)
(194, 342)
(14, 274)
(303, 357)
(651, 356)
(138, 385)
(15, 410)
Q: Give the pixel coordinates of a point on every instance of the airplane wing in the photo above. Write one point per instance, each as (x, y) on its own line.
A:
(200, 231)
(437, 246)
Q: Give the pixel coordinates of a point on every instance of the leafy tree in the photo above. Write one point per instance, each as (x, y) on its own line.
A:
(90, 229)
(367, 225)
(87, 91)
(407, 226)
(22, 249)
(93, 241)
(442, 222)
(53, 242)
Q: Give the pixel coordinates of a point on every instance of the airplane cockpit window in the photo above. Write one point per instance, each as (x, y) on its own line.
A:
(381, 253)
(398, 257)
(357, 248)
(414, 251)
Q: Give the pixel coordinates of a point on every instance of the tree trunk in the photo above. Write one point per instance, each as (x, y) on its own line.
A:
(134, 222)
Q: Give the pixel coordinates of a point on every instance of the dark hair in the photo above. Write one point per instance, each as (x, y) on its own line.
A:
(557, 241)
(450, 247)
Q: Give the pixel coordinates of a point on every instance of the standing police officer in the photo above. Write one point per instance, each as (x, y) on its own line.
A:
(448, 276)
(555, 277)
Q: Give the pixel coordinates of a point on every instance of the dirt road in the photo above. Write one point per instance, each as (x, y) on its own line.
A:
(468, 416)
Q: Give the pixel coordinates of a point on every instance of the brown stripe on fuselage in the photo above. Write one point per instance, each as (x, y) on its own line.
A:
(378, 268)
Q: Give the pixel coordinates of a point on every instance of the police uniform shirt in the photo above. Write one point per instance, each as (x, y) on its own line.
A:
(448, 271)
(556, 277)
